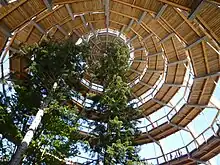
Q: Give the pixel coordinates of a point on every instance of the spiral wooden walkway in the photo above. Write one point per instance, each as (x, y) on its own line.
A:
(170, 39)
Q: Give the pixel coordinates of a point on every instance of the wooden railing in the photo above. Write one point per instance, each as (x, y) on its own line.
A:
(187, 150)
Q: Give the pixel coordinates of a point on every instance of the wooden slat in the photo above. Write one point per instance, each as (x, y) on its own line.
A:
(13, 8)
(5, 30)
(171, 3)
(134, 6)
(163, 8)
(196, 7)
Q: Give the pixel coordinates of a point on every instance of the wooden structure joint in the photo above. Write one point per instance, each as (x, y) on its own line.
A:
(62, 30)
(69, 10)
(196, 7)
(142, 17)
(178, 62)
(161, 103)
(38, 27)
(199, 106)
(138, 49)
(48, 4)
(162, 9)
(166, 38)
(207, 76)
(155, 54)
(174, 85)
(130, 25)
(196, 42)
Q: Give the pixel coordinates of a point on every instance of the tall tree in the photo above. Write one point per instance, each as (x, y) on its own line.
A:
(52, 79)
(117, 130)
(53, 71)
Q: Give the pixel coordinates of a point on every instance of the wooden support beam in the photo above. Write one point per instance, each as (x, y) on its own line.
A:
(133, 38)
(138, 60)
(78, 34)
(134, 6)
(124, 15)
(203, 92)
(196, 42)
(16, 50)
(188, 22)
(174, 85)
(147, 85)
(207, 30)
(5, 30)
(136, 97)
(107, 22)
(92, 28)
(13, 49)
(178, 62)
(204, 49)
(154, 71)
(161, 103)
(135, 71)
(199, 106)
(95, 44)
(196, 7)
(129, 25)
(83, 20)
(162, 9)
(106, 4)
(147, 36)
(70, 12)
(62, 30)
(207, 76)
(138, 49)
(121, 31)
(142, 17)
(151, 138)
(166, 38)
(38, 26)
(179, 127)
(155, 54)
(48, 4)
(175, 5)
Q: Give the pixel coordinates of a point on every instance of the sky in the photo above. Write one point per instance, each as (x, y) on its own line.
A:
(177, 140)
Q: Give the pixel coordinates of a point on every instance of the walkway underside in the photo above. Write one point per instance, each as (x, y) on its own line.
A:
(203, 153)
(174, 55)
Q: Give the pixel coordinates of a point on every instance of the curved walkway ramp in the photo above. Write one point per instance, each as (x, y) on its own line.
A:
(170, 39)
(202, 154)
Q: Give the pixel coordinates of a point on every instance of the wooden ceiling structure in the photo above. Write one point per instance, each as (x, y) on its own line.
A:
(170, 39)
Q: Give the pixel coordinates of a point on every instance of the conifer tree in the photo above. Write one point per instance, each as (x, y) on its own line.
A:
(52, 79)
(116, 131)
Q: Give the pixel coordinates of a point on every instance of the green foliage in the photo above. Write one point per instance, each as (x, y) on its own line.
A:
(54, 61)
(117, 130)
(120, 141)
(57, 137)
(114, 62)
(49, 63)
(64, 64)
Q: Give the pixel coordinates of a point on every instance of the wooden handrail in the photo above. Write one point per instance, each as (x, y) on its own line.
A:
(187, 145)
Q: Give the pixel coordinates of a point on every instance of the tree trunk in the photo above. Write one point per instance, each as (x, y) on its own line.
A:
(30, 133)
(27, 138)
